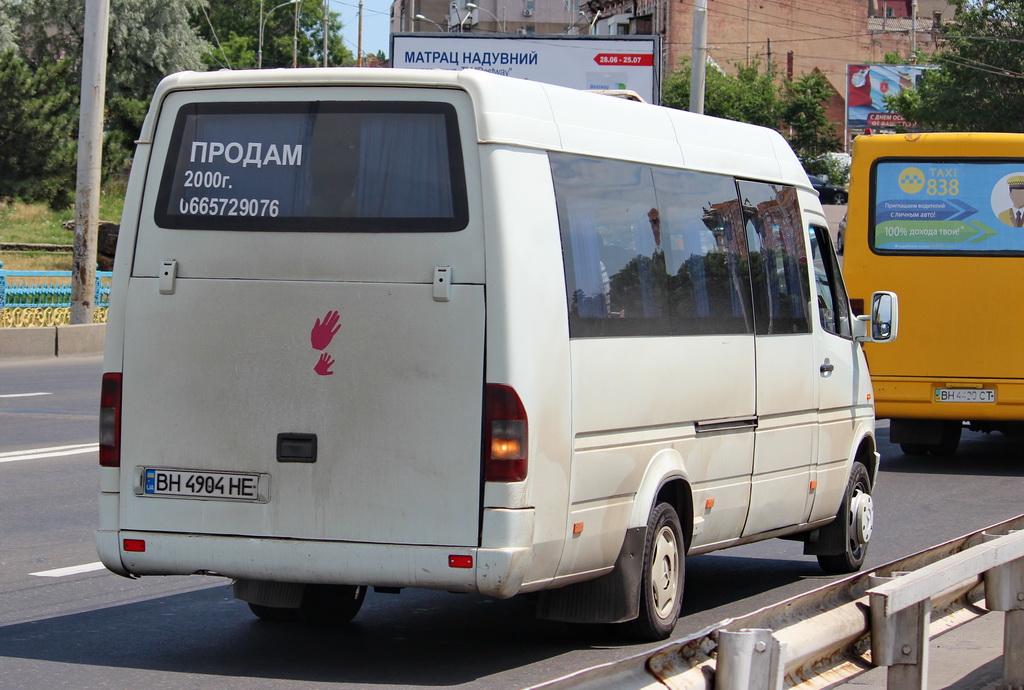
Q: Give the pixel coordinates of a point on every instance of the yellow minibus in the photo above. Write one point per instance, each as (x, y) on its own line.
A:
(939, 219)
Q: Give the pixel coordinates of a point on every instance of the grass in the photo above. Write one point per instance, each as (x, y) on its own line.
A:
(24, 223)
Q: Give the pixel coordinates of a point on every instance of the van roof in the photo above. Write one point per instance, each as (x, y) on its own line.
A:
(533, 114)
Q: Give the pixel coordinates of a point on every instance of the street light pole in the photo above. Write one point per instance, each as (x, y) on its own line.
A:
(424, 18)
(474, 6)
(263, 24)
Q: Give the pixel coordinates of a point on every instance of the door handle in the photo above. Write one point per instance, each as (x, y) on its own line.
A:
(827, 368)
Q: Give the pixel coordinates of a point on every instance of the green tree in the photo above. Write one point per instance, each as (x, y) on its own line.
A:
(807, 126)
(232, 29)
(8, 26)
(979, 85)
(749, 96)
(147, 40)
(38, 110)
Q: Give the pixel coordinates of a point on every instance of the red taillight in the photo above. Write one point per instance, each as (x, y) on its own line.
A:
(505, 435)
(110, 421)
(135, 545)
(460, 561)
(857, 306)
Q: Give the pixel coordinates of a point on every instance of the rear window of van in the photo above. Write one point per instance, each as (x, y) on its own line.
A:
(314, 166)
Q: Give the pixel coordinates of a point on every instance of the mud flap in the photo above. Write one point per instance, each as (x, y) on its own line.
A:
(611, 598)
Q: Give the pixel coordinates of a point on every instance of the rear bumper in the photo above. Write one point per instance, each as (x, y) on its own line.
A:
(914, 398)
(494, 572)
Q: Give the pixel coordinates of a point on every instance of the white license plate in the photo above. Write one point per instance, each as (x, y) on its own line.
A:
(965, 395)
(232, 486)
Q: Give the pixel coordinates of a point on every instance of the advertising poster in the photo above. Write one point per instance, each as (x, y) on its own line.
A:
(575, 62)
(949, 207)
(866, 88)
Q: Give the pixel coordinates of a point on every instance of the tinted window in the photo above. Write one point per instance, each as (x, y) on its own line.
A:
(320, 166)
(650, 251)
(833, 303)
(778, 258)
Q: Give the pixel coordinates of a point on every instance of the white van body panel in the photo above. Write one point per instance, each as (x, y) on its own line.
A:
(743, 431)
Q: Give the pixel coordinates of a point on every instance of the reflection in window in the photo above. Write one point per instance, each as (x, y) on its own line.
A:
(833, 303)
(778, 258)
(650, 251)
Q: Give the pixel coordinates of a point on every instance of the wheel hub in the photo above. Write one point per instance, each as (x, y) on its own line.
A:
(862, 509)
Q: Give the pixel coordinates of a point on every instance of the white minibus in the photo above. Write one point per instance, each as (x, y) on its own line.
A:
(451, 330)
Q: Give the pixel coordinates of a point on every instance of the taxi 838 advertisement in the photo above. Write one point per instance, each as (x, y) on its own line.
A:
(949, 207)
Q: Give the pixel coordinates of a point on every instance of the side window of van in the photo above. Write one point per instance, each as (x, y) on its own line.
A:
(707, 252)
(314, 166)
(830, 293)
(778, 258)
(650, 251)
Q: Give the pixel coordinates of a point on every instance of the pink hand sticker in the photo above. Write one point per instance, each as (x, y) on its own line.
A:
(323, 367)
(324, 331)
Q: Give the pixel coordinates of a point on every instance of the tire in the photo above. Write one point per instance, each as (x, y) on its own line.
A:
(839, 199)
(661, 582)
(274, 614)
(949, 441)
(946, 447)
(855, 518)
(331, 604)
(914, 448)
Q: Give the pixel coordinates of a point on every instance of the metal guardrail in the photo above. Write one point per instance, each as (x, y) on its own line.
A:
(837, 632)
(19, 289)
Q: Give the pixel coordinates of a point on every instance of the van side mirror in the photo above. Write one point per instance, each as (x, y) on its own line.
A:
(883, 323)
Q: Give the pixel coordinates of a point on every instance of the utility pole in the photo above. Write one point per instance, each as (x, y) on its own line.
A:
(326, 15)
(295, 38)
(913, 32)
(90, 158)
(698, 56)
(359, 59)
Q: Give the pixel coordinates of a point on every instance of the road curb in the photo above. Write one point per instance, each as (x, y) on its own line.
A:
(52, 341)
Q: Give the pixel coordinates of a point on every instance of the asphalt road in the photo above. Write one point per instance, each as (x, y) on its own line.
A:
(87, 628)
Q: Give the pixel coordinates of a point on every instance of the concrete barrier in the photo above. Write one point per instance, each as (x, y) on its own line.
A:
(52, 341)
(28, 342)
(81, 339)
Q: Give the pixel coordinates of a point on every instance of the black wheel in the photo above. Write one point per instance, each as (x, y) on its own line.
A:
(274, 614)
(914, 448)
(855, 519)
(950, 440)
(661, 585)
(839, 199)
(331, 604)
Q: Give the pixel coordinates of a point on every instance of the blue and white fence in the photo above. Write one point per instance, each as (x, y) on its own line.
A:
(43, 298)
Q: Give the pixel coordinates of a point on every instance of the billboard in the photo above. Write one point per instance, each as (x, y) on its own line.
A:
(868, 85)
(578, 62)
(945, 206)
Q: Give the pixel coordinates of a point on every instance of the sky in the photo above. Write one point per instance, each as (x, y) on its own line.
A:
(376, 24)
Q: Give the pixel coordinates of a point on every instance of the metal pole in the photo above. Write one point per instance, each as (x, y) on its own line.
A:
(259, 44)
(90, 158)
(698, 56)
(326, 10)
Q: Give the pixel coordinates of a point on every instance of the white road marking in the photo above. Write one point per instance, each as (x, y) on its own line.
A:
(55, 452)
(23, 395)
(70, 570)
